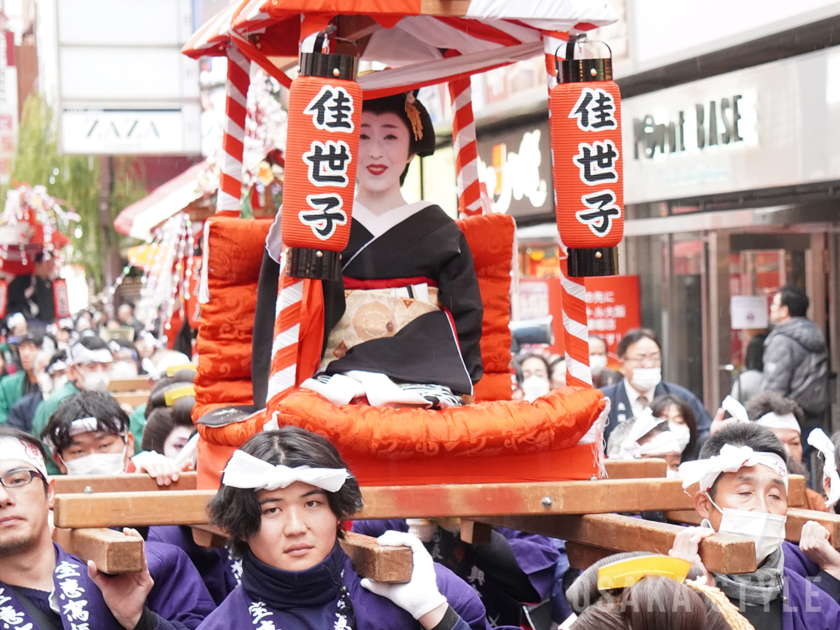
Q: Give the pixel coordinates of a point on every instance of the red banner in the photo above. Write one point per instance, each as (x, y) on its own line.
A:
(588, 179)
(4, 297)
(62, 299)
(325, 116)
(613, 308)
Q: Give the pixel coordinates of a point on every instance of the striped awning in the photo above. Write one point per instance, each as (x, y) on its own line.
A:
(421, 41)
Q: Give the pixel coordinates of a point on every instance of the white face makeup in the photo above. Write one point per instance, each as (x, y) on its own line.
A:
(383, 152)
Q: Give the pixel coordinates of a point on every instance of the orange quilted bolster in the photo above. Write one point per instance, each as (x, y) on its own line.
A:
(491, 241)
(224, 338)
(550, 423)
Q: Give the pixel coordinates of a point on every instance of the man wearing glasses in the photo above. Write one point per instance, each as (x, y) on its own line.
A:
(41, 586)
(641, 367)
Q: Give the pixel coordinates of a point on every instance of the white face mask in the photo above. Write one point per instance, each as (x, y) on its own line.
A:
(767, 531)
(535, 386)
(97, 464)
(682, 433)
(123, 369)
(645, 379)
(597, 362)
(45, 383)
(96, 381)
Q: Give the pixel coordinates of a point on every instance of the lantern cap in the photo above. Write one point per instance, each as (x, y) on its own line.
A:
(584, 263)
(329, 66)
(317, 264)
(585, 61)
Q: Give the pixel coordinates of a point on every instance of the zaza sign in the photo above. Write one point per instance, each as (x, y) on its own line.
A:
(715, 123)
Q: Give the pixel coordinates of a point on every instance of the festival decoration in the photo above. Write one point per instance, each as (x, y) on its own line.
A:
(466, 148)
(325, 114)
(233, 141)
(586, 144)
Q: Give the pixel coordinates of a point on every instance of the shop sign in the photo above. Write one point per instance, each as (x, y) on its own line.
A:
(515, 170)
(748, 312)
(612, 307)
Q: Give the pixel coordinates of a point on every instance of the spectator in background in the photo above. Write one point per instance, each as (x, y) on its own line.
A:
(17, 325)
(126, 359)
(598, 358)
(557, 372)
(534, 374)
(796, 356)
(23, 411)
(641, 366)
(681, 421)
(751, 379)
(25, 382)
(32, 294)
(125, 313)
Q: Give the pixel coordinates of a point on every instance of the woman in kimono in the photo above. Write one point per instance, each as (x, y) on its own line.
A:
(403, 324)
(283, 500)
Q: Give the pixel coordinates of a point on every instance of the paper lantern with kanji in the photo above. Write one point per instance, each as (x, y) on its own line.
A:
(588, 164)
(325, 114)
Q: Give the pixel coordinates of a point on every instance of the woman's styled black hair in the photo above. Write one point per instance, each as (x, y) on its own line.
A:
(110, 417)
(660, 405)
(163, 420)
(157, 397)
(237, 510)
(406, 107)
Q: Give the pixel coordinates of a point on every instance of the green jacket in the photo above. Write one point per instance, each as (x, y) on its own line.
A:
(42, 418)
(136, 424)
(11, 391)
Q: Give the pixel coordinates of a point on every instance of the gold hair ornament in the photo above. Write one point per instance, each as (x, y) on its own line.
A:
(178, 392)
(413, 116)
(172, 369)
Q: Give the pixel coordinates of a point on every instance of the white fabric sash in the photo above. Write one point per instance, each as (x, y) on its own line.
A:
(820, 441)
(735, 409)
(731, 459)
(774, 421)
(247, 471)
(15, 448)
(77, 354)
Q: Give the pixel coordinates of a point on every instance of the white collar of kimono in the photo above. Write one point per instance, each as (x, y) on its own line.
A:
(247, 471)
(731, 459)
(784, 421)
(378, 224)
(820, 441)
(15, 448)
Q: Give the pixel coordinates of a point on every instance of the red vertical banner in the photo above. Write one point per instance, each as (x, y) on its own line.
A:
(588, 179)
(4, 297)
(61, 298)
(613, 308)
(325, 116)
(191, 304)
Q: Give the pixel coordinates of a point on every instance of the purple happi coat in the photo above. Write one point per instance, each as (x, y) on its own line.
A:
(808, 607)
(215, 566)
(179, 594)
(80, 601)
(271, 599)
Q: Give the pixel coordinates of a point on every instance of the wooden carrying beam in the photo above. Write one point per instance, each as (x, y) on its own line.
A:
(128, 384)
(720, 553)
(584, 556)
(635, 468)
(796, 519)
(112, 551)
(134, 482)
(389, 565)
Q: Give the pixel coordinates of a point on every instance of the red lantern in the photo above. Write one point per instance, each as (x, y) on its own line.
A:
(61, 298)
(588, 163)
(325, 114)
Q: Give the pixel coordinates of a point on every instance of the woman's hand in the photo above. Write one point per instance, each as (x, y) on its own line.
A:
(813, 541)
(420, 597)
(687, 547)
(125, 595)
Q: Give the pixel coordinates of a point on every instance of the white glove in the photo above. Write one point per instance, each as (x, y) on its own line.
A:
(421, 594)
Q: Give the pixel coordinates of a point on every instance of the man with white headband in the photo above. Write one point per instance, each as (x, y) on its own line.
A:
(284, 498)
(644, 437)
(44, 588)
(88, 362)
(743, 482)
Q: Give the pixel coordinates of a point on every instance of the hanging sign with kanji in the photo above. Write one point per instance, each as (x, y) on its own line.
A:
(61, 298)
(588, 181)
(323, 141)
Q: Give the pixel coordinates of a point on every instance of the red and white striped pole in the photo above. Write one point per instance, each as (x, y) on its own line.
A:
(233, 142)
(284, 350)
(465, 146)
(573, 291)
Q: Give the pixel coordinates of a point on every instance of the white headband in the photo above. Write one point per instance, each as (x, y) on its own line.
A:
(660, 444)
(83, 425)
(774, 421)
(735, 409)
(731, 459)
(820, 441)
(246, 471)
(57, 366)
(77, 354)
(15, 448)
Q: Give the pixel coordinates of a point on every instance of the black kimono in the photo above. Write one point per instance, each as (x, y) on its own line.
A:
(415, 245)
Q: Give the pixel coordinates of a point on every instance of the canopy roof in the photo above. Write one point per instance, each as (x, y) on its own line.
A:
(422, 41)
